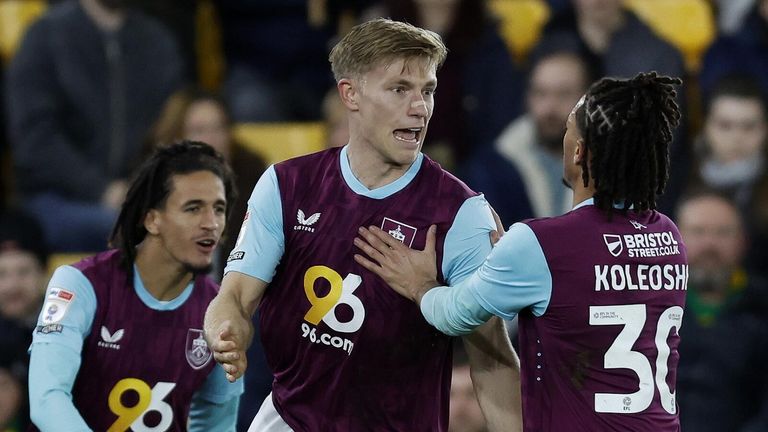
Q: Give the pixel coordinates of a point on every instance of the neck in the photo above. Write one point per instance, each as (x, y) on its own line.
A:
(108, 20)
(164, 278)
(371, 169)
(581, 192)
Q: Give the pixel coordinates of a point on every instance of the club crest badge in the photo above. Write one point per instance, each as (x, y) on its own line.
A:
(197, 351)
(401, 232)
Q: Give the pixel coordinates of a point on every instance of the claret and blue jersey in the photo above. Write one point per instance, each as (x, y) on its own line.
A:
(600, 305)
(347, 352)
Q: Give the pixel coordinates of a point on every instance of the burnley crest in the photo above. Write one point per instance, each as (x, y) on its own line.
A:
(198, 354)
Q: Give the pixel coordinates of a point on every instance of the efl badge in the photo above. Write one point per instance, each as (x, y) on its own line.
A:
(400, 231)
(56, 304)
(198, 354)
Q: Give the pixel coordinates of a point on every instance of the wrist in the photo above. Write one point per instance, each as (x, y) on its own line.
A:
(422, 290)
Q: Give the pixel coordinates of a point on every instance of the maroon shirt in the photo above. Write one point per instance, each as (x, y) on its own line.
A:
(348, 353)
(603, 356)
(143, 350)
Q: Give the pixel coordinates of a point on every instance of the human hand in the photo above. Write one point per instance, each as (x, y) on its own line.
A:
(411, 273)
(229, 351)
(499, 232)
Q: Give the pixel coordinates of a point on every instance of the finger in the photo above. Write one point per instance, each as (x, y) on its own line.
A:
(370, 265)
(225, 330)
(429, 246)
(381, 245)
(387, 238)
(369, 250)
(224, 346)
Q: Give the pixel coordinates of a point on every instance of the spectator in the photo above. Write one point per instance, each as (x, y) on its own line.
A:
(480, 88)
(335, 118)
(743, 52)
(612, 38)
(617, 43)
(23, 259)
(85, 85)
(11, 401)
(731, 156)
(277, 56)
(522, 175)
(723, 352)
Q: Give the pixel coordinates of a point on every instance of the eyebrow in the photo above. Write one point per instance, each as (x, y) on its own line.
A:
(430, 83)
(201, 202)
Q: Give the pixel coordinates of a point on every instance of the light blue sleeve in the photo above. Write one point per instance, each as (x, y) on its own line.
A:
(56, 348)
(467, 242)
(214, 406)
(261, 242)
(514, 276)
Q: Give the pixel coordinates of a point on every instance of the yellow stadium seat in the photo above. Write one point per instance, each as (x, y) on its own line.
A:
(521, 23)
(689, 25)
(208, 46)
(276, 142)
(15, 16)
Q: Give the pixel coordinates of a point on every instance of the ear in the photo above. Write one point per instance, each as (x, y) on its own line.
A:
(579, 151)
(152, 222)
(349, 92)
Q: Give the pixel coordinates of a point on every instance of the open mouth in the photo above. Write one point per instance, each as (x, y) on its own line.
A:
(207, 245)
(410, 135)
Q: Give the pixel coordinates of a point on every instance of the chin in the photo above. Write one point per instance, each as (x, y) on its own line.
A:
(199, 268)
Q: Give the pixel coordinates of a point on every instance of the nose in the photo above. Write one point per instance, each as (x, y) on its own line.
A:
(210, 220)
(419, 107)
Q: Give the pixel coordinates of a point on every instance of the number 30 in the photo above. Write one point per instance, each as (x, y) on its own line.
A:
(620, 355)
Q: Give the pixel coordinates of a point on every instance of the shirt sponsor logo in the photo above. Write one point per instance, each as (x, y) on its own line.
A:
(50, 328)
(197, 352)
(305, 223)
(401, 232)
(656, 244)
(234, 256)
(109, 340)
(56, 305)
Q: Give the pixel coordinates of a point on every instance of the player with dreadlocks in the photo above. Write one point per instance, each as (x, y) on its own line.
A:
(119, 342)
(599, 291)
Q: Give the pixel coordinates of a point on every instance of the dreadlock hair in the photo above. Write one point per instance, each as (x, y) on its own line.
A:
(152, 185)
(627, 126)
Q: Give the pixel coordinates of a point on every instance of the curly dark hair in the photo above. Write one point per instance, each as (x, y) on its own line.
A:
(152, 184)
(627, 126)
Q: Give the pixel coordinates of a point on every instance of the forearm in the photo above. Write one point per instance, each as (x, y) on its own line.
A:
(50, 390)
(228, 307)
(495, 371)
(452, 310)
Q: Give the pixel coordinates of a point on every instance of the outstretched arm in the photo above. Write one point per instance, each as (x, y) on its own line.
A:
(228, 326)
(495, 372)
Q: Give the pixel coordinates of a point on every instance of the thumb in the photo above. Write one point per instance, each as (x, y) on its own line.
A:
(225, 330)
(431, 239)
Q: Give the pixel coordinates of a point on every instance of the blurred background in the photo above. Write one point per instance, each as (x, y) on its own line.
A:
(90, 87)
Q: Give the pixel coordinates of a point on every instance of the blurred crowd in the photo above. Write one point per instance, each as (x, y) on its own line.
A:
(94, 85)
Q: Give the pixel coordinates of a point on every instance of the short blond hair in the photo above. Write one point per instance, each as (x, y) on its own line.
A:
(383, 40)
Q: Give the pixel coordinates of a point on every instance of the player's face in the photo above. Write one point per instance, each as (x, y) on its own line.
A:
(736, 129)
(465, 413)
(571, 167)
(190, 224)
(395, 104)
(22, 281)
